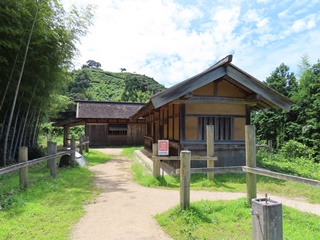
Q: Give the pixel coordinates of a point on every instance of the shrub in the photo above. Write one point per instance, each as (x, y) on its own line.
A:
(294, 149)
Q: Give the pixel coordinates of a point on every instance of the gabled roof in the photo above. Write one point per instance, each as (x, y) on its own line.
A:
(107, 110)
(255, 90)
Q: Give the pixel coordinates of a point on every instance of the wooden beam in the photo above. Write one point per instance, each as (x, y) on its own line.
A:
(222, 100)
(215, 170)
(282, 176)
(193, 158)
(258, 87)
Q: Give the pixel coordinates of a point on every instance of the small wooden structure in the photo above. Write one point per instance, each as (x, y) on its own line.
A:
(107, 123)
(222, 96)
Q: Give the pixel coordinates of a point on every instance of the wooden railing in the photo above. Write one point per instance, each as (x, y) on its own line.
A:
(51, 159)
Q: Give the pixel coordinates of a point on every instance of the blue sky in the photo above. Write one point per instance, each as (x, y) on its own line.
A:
(172, 40)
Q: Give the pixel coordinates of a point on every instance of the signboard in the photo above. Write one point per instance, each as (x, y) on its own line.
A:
(163, 147)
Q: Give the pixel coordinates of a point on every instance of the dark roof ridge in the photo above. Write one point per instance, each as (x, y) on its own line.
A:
(110, 102)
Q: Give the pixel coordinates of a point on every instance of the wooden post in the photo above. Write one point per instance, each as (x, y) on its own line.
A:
(73, 154)
(210, 149)
(52, 149)
(185, 159)
(250, 136)
(86, 138)
(156, 162)
(65, 136)
(270, 146)
(81, 146)
(23, 172)
(48, 152)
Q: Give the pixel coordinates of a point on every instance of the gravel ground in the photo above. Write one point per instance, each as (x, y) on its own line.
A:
(125, 210)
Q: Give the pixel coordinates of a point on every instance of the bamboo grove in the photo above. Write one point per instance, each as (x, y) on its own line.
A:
(37, 46)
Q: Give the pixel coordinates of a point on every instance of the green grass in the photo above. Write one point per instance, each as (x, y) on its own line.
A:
(231, 220)
(49, 207)
(128, 151)
(229, 183)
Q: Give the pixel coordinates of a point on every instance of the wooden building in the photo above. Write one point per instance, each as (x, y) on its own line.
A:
(107, 123)
(223, 96)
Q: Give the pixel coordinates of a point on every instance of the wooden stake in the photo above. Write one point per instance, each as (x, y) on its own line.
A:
(156, 162)
(23, 172)
(185, 158)
(52, 149)
(73, 154)
(250, 136)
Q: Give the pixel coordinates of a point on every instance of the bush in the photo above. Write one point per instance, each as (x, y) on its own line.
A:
(294, 149)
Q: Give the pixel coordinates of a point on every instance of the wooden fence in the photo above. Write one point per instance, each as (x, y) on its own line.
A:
(51, 158)
(250, 169)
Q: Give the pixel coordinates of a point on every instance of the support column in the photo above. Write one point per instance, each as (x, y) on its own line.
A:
(185, 159)
(250, 136)
(65, 136)
(23, 172)
(210, 149)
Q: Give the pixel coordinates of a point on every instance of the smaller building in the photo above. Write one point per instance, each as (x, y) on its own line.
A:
(107, 123)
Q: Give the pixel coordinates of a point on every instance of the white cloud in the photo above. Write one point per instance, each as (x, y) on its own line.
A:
(158, 38)
(263, 26)
(251, 16)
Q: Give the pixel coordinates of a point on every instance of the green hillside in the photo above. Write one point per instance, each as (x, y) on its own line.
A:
(99, 85)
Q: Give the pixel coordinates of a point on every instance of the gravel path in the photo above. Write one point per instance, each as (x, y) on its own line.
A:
(125, 210)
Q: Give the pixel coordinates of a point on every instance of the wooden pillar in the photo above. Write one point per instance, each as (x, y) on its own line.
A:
(156, 162)
(52, 163)
(23, 172)
(86, 138)
(65, 136)
(81, 146)
(73, 154)
(250, 136)
(270, 146)
(185, 159)
(210, 149)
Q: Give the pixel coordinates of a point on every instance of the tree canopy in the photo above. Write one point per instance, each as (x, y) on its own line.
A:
(302, 122)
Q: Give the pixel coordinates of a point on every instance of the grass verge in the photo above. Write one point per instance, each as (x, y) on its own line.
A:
(231, 220)
(49, 207)
(230, 183)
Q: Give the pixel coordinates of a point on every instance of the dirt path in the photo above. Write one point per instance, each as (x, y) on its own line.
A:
(125, 209)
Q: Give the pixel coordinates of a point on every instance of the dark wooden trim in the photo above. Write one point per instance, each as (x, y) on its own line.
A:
(248, 115)
(182, 120)
(220, 100)
(214, 115)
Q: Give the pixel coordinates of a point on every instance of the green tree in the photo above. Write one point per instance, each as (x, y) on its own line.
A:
(275, 124)
(307, 105)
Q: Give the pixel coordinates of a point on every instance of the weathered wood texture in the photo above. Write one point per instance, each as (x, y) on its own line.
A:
(268, 173)
(73, 153)
(23, 171)
(156, 162)
(52, 163)
(185, 157)
(100, 135)
(251, 162)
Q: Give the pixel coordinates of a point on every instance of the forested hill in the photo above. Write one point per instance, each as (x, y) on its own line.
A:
(99, 85)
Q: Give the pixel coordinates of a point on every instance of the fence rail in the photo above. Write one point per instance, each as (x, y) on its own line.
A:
(24, 163)
(268, 173)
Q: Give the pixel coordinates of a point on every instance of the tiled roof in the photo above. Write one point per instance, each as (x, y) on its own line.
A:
(107, 110)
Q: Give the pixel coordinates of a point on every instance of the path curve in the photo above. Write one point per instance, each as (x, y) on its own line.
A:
(125, 210)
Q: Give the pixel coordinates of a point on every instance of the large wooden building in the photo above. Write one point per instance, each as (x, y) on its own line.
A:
(223, 96)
